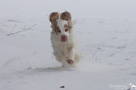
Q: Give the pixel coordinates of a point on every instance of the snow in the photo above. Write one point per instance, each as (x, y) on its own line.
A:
(106, 34)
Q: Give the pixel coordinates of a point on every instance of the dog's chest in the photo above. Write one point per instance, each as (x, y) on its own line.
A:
(60, 48)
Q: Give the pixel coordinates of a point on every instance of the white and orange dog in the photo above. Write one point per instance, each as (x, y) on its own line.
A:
(62, 39)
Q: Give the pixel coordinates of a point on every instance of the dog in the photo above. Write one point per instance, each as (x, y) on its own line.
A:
(62, 39)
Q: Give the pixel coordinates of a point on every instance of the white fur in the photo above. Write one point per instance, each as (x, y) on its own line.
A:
(60, 24)
(64, 50)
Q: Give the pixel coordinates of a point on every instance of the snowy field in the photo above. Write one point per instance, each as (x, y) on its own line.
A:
(106, 34)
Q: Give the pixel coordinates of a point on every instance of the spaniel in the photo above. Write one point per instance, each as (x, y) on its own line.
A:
(62, 39)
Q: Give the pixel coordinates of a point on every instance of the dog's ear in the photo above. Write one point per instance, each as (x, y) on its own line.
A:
(53, 17)
(66, 16)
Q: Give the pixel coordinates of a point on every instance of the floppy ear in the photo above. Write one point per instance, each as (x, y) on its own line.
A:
(53, 17)
(66, 16)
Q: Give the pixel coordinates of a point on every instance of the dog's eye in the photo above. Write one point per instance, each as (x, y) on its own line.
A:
(66, 30)
(59, 31)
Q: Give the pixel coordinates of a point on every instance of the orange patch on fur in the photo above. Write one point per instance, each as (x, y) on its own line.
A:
(67, 28)
(66, 16)
(56, 28)
(53, 17)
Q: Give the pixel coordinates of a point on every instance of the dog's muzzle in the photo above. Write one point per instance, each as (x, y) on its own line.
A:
(63, 38)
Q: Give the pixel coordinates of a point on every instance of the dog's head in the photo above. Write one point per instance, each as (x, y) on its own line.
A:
(61, 24)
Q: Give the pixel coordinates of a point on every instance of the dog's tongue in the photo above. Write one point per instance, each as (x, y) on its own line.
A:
(63, 38)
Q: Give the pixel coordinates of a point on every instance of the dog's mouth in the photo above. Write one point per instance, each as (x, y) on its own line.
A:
(63, 38)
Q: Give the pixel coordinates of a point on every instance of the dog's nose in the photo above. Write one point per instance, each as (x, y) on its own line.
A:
(63, 38)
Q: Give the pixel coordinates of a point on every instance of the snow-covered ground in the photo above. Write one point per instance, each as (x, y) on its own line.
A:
(106, 33)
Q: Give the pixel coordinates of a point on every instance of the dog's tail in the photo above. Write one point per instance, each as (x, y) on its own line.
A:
(78, 56)
(74, 22)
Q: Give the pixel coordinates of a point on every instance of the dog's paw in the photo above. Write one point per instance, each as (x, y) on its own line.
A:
(70, 61)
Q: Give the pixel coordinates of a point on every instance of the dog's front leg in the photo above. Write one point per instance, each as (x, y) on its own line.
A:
(71, 56)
